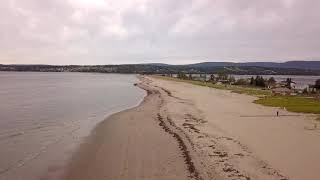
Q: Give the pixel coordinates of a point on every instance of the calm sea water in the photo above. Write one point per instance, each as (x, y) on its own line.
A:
(44, 117)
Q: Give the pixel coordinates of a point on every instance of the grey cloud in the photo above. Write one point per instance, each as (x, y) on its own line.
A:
(182, 31)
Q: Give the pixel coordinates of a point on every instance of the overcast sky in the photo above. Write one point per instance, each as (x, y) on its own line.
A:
(166, 31)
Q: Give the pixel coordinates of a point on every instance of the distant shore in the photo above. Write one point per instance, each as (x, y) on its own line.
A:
(183, 131)
(248, 68)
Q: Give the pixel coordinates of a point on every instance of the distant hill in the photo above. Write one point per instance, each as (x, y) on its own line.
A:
(289, 64)
(248, 68)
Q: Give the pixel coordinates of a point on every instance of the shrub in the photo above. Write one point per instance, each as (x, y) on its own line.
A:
(241, 82)
(272, 81)
(212, 78)
(182, 75)
(317, 84)
(259, 81)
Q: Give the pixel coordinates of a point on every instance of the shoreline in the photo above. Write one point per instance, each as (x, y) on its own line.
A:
(51, 128)
(82, 160)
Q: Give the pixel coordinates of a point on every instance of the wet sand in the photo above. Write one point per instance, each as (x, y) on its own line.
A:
(183, 131)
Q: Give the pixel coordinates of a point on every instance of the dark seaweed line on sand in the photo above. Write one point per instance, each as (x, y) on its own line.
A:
(168, 93)
(186, 154)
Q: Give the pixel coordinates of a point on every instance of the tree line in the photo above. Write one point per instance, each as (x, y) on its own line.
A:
(258, 81)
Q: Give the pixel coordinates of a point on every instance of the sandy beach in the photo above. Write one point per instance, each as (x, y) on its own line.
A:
(131, 144)
(183, 131)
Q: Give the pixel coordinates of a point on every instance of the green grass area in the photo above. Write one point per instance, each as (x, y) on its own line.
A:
(292, 103)
(303, 104)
